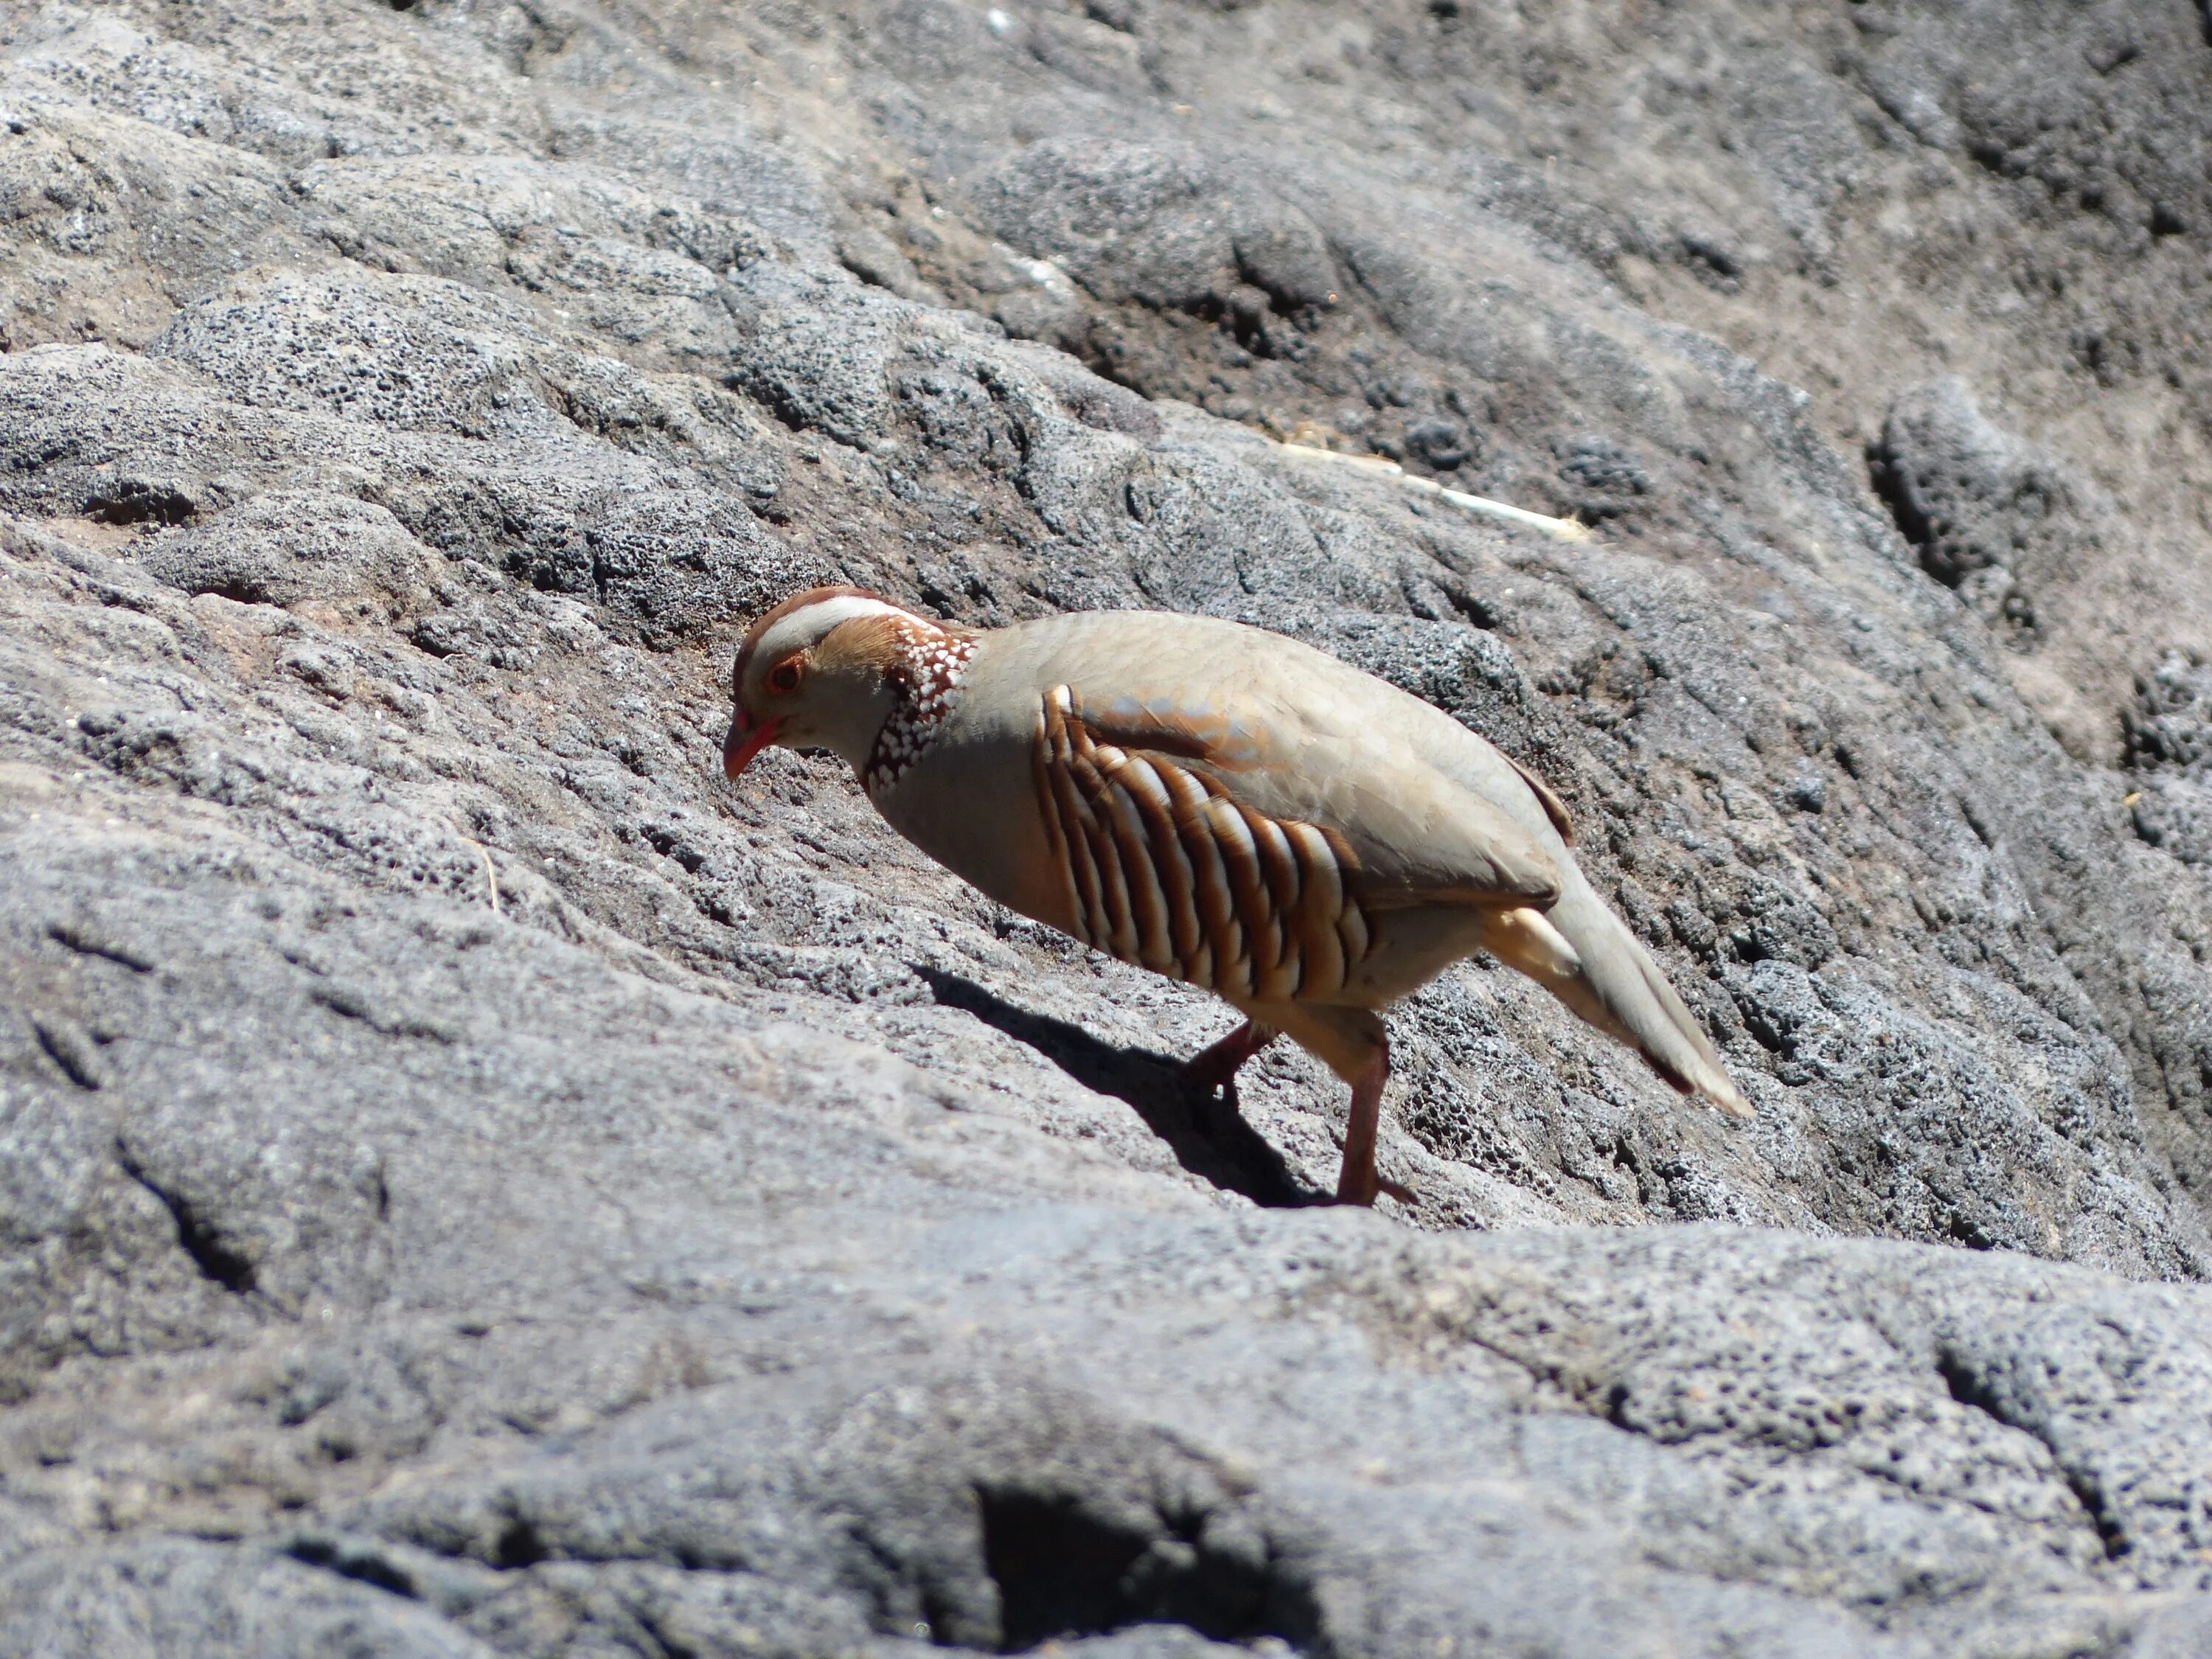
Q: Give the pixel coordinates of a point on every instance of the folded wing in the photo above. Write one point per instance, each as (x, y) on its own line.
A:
(1186, 848)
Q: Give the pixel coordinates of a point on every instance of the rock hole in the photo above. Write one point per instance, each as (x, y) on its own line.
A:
(236, 589)
(668, 1644)
(519, 1546)
(778, 402)
(1888, 481)
(1962, 1230)
(197, 1236)
(88, 944)
(364, 1566)
(1969, 1388)
(1063, 1569)
(1711, 262)
(1060, 1572)
(71, 1049)
(134, 502)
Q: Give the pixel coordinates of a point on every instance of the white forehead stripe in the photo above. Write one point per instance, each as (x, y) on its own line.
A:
(811, 624)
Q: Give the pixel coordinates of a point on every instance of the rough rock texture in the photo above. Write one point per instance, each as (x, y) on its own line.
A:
(2169, 733)
(472, 1182)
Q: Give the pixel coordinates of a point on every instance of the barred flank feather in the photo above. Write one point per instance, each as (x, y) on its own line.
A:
(1164, 869)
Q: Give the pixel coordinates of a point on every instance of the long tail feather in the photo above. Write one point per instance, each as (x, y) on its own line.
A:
(1609, 979)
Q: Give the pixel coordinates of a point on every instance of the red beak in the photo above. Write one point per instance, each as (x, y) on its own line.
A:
(746, 740)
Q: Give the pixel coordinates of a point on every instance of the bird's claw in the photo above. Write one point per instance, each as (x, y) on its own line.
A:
(1210, 1077)
(1346, 1193)
(1217, 1065)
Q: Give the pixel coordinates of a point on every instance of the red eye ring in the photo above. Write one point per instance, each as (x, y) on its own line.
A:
(783, 678)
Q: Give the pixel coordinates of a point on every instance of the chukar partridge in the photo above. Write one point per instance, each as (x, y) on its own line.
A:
(1223, 805)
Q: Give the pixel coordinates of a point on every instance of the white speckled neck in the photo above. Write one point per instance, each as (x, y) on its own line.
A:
(930, 667)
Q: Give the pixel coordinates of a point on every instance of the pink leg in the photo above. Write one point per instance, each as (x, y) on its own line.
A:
(1217, 1067)
(1356, 1181)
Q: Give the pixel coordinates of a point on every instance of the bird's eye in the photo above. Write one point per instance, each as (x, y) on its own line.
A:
(783, 678)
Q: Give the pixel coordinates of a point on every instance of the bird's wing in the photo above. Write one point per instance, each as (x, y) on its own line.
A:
(1554, 808)
(1191, 842)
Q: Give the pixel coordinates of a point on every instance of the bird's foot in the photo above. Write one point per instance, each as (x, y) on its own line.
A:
(1217, 1066)
(1353, 1191)
(1357, 1181)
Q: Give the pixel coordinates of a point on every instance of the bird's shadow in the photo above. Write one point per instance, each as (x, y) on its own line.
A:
(1201, 1126)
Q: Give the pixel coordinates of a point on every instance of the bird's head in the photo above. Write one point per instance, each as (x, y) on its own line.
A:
(821, 671)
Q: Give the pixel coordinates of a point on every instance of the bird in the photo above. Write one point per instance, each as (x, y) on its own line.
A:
(1222, 805)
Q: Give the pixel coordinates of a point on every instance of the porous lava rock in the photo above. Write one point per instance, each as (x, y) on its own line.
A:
(474, 1182)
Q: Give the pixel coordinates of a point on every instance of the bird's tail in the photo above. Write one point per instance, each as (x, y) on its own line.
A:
(1585, 955)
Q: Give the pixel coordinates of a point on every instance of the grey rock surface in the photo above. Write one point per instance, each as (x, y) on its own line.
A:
(472, 1182)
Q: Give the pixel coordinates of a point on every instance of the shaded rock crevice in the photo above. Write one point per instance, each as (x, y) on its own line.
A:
(219, 1262)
